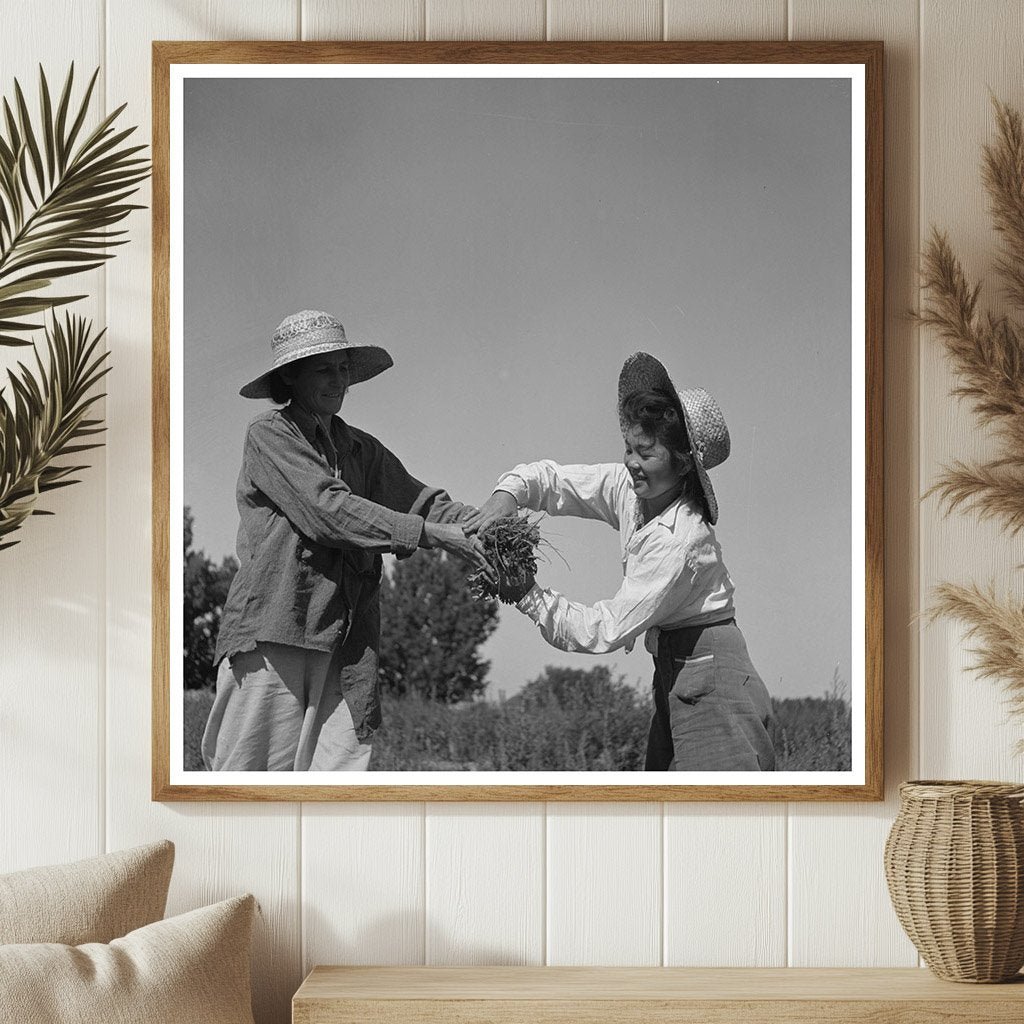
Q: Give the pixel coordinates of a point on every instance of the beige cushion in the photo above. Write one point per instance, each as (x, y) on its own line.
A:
(190, 969)
(92, 900)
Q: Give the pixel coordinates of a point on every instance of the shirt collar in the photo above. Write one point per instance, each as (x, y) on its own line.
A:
(669, 517)
(341, 438)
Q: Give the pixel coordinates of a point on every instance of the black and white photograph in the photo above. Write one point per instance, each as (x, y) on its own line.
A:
(518, 428)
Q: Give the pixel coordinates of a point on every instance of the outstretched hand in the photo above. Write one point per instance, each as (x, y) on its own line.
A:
(499, 505)
(453, 538)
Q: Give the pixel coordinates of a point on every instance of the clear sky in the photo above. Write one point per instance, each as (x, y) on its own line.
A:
(510, 242)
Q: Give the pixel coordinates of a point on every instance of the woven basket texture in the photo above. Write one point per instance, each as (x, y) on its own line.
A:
(954, 862)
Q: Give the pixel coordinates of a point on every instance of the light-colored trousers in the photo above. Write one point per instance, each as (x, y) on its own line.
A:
(712, 712)
(280, 708)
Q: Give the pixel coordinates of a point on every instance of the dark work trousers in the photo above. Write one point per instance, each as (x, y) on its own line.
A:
(712, 712)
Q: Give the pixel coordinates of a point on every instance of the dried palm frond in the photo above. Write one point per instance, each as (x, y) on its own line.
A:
(987, 354)
(59, 199)
(47, 419)
(954, 299)
(996, 625)
(994, 490)
(986, 350)
(1002, 173)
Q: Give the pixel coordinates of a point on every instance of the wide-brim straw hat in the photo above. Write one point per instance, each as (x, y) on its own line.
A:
(311, 333)
(705, 424)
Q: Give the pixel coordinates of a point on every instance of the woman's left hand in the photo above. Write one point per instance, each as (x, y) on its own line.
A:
(452, 538)
(499, 505)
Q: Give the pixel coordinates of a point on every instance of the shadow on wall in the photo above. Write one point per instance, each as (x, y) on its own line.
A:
(397, 940)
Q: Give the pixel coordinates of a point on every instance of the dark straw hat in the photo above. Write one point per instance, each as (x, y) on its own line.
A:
(311, 333)
(705, 424)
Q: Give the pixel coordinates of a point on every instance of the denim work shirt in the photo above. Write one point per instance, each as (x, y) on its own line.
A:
(316, 511)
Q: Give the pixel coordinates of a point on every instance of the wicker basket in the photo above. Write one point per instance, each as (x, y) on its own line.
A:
(954, 861)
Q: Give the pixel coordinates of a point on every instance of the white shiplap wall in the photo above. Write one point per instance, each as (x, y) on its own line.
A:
(835, 852)
(750, 884)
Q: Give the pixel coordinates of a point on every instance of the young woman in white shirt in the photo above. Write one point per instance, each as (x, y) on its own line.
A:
(712, 710)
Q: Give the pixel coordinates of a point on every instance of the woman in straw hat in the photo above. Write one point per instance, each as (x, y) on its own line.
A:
(711, 709)
(319, 501)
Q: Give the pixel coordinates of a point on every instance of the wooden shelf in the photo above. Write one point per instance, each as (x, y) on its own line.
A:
(641, 995)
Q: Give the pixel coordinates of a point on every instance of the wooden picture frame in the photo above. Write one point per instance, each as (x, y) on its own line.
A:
(859, 65)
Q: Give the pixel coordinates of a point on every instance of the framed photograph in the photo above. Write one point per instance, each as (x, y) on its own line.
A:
(519, 409)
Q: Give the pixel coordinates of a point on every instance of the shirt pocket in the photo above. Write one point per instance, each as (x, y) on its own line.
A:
(693, 677)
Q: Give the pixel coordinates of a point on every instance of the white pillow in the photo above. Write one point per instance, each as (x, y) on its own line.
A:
(92, 900)
(190, 969)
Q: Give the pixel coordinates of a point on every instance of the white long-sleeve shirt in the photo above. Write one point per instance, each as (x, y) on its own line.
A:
(673, 573)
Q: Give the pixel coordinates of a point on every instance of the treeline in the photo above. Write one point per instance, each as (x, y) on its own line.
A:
(205, 591)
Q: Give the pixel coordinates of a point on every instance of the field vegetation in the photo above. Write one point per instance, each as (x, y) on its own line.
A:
(565, 720)
(436, 716)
